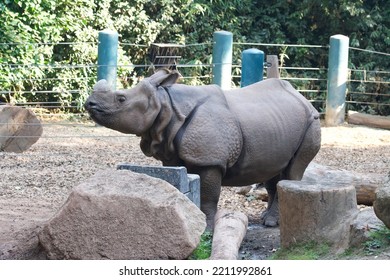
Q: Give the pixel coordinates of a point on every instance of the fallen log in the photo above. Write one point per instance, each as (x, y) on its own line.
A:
(19, 129)
(365, 184)
(229, 231)
(368, 120)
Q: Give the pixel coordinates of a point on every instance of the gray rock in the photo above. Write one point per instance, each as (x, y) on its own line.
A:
(118, 214)
(382, 202)
(364, 223)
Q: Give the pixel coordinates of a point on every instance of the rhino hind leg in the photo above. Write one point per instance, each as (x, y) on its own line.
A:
(270, 217)
(306, 152)
(308, 149)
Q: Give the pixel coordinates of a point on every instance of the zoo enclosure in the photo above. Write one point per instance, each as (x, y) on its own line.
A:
(62, 87)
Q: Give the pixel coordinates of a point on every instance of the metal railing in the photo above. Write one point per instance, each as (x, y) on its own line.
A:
(311, 81)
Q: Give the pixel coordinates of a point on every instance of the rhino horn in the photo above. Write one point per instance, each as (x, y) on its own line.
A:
(164, 77)
(102, 86)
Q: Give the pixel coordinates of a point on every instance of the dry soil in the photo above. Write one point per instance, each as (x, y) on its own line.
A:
(35, 184)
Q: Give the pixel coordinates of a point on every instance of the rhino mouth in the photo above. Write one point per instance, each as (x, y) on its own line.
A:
(92, 107)
(95, 109)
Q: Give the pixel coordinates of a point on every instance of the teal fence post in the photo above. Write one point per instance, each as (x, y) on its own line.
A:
(337, 80)
(222, 59)
(107, 56)
(252, 66)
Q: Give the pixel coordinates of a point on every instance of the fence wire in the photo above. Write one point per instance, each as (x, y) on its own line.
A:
(368, 90)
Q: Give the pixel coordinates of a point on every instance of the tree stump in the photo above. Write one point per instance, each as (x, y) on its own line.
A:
(19, 129)
(319, 212)
(229, 231)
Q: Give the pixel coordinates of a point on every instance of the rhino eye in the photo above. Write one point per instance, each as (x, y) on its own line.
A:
(121, 98)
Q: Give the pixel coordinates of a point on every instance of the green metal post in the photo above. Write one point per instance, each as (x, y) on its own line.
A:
(337, 80)
(222, 59)
(107, 56)
(252, 66)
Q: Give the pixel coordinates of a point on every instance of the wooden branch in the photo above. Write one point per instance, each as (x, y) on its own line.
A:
(229, 231)
(273, 69)
(368, 120)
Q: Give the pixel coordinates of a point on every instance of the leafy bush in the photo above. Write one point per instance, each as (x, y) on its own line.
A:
(203, 251)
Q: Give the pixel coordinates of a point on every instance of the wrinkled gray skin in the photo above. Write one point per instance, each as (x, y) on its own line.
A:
(261, 133)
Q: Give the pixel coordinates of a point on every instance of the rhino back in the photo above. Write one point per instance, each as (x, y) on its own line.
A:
(273, 118)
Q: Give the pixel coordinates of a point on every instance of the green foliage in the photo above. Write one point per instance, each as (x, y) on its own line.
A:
(30, 58)
(378, 241)
(203, 251)
(34, 37)
(306, 251)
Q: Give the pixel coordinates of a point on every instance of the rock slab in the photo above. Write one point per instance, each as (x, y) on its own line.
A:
(19, 129)
(382, 202)
(119, 214)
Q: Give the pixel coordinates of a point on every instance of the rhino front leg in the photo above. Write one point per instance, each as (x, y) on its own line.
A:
(210, 180)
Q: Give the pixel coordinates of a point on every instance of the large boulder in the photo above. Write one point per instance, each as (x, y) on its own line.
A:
(382, 202)
(118, 214)
(19, 129)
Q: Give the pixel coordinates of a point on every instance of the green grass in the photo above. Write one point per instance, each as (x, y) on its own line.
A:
(203, 251)
(303, 251)
(378, 241)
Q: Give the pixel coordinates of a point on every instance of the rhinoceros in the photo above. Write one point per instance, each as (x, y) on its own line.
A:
(261, 133)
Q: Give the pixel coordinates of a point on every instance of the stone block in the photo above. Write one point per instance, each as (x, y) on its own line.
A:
(194, 184)
(188, 184)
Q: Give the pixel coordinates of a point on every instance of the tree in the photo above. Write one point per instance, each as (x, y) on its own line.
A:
(36, 36)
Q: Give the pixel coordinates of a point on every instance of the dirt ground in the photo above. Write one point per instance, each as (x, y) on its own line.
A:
(35, 184)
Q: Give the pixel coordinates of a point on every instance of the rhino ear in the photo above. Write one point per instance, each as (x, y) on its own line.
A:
(101, 85)
(164, 77)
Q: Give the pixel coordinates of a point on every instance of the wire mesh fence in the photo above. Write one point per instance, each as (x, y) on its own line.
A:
(56, 90)
(369, 89)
